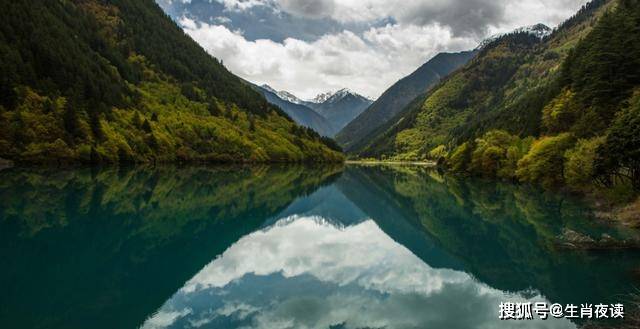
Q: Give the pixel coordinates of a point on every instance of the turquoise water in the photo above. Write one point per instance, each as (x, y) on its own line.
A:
(291, 247)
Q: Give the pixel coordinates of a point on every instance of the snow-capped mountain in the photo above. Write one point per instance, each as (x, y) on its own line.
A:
(336, 96)
(340, 107)
(539, 30)
(300, 113)
(321, 98)
(327, 113)
(285, 95)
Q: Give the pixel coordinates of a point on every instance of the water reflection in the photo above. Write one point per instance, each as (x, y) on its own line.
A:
(104, 248)
(304, 272)
(289, 247)
(505, 235)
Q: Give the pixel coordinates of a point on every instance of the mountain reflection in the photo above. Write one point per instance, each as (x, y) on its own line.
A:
(290, 247)
(104, 248)
(304, 272)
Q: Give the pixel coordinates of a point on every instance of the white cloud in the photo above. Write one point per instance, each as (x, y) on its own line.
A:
(370, 61)
(463, 16)
(240, 5)
(164, 319)
(367, 63)
(356, 276)
(360, 254)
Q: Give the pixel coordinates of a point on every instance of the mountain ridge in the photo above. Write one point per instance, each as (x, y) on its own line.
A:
(130, 86)
(560, 110)
(300, 113)
(342, 107)
(336, 108)
(357, 133)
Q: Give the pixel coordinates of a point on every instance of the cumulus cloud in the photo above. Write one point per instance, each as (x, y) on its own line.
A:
(464, 17)
(303, 272)
(241, 5)
(367, 63)
(311, 46)
(470, 17)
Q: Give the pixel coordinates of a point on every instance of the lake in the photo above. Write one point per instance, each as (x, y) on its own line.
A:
(292, 247)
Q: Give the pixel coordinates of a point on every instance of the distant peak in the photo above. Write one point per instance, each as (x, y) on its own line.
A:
(267, 87)
(285, 95)
(336, 96)
(539, 30)
(321, 98)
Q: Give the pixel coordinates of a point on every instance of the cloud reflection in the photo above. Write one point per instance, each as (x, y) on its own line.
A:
(304, 272)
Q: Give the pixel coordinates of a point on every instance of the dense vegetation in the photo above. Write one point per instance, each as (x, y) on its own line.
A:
(355, 136)
(561, 111)
(108, 81)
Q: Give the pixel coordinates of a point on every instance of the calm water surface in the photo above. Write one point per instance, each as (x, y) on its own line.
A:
(290, 247)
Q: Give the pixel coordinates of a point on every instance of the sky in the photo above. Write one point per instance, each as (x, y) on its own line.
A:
(308, 47)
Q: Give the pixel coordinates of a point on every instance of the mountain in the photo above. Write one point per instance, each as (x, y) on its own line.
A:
(118, 81)
(540, 31)
(340, 108)
(562, 110)
(321, 98)
(357, 134)
(294, 107)
(284, 95)
(326, 114)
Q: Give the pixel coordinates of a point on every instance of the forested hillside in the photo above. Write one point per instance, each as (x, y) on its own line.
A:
(112, 81)
(359, 132)
(561, 111)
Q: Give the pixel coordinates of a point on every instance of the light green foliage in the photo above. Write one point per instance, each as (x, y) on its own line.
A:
(438, 152)
(459, 160)
(435, 118)
(515, 152)
(580, 162)
(165, 126)
(497, 153)
(544, 163)
(129, 86)
(560, 113)
(408, 144)
(490, 151)
(517, 109)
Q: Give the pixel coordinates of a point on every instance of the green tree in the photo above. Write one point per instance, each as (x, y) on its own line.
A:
(544, 163)
(490, 153)
(460, 159)
(579, 167)
(560, 114)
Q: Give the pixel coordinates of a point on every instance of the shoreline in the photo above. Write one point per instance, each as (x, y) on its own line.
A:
(378, 162)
